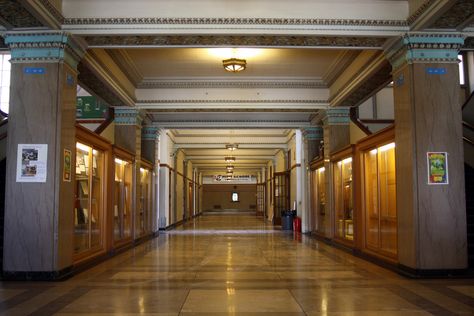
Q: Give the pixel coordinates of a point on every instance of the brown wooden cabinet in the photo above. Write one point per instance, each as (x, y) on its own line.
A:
(343, 197)
(123, 207)
(377, 200)
(90, 220)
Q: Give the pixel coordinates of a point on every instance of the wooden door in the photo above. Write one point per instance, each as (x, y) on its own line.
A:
(261, 199)
(281, 195)
(191, 200)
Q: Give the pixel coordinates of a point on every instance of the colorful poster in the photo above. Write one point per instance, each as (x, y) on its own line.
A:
(67, 166)
(437, 167)
(32, 163)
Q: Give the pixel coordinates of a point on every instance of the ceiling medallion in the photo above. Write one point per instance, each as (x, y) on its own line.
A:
(234, 64)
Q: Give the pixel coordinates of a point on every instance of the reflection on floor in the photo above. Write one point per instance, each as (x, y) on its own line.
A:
(236, 265)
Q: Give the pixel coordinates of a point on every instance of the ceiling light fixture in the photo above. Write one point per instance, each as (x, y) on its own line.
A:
(234, 64)
(230, 168)
(229, 159)
(232, 147)
(229, 173)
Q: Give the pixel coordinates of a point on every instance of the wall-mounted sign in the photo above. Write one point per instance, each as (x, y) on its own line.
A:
(67, 175)
(437, 167)
(34, 70)
(32, 163)
(436, 71)
(90, 108)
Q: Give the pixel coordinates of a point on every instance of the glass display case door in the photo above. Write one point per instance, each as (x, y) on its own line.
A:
(122, 200)
(88, 209)
(261, 199)
(281, 195)
(380, 200)
(144, 208)
(343, 199)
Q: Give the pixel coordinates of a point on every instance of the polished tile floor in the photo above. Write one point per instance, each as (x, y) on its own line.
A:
(236, 265)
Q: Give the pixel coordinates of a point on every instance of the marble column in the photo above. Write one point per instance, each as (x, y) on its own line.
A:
(38, 235)
(336, 134)
(128, 135)
(431, 218)
(165, 181)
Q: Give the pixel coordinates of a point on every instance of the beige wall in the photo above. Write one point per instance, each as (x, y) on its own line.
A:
(218, 196)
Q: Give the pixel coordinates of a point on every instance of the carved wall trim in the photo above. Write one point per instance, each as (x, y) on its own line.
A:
(277, 101)
(233, 40)
(231, 21)
(231, 84)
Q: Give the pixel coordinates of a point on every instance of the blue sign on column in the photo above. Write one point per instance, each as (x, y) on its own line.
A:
(34, 70)
(436, 71)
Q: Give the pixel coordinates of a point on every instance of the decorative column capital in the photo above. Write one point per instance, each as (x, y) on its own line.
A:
(313, 133)
(150, 133)
(423, 47)
(337, 116)
(128, 116)
(45, 47)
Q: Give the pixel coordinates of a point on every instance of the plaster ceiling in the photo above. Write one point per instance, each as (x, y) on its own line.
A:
(204, 64)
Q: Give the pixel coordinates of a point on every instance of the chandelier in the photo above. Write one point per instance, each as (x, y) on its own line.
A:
(232, 147)
(234, 64)
(230, 168)
(229, 159)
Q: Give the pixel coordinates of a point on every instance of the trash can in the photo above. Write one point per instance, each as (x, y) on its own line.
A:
(287, 220)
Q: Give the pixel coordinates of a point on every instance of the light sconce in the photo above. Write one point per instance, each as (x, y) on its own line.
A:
(229, 159)
(232, 147)
(234, 64)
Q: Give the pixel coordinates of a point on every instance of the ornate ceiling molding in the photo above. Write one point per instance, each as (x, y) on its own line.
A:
(457, 17)
(421, 10)
(14, 15)
(233, 21)
(169, 124)
(226, 110)
(233, 40)
(231, 84)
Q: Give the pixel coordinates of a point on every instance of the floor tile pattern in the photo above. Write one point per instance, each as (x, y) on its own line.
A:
(237, 265)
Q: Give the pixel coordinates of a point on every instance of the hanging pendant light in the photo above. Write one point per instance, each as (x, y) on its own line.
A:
(234, 64)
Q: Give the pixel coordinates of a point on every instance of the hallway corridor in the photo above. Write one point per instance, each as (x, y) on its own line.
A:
(236, 265)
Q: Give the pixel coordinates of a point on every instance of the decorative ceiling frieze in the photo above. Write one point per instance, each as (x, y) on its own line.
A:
(421, 10)
(234, 40)
(369, 87)
(231, 84)
(53, 10)
(226, 110)
(232, 21)
(469, 43)
(457, 17)
(88, 79)
(14, 15)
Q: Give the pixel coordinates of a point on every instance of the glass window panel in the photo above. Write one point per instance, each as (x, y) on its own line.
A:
(96, 198)
(6, 65)
(461, 70)
(388, 221)
(338, 199)
(347, 198)
(5, 95)
(81, 208)
(127, 194)
(371, 198)
(6, 79)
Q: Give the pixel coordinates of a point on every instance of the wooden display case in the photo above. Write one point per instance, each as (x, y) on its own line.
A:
(144, 212)
(123, 209)
(343, 195)
(318, 197)
(92, 154)
(377, 203)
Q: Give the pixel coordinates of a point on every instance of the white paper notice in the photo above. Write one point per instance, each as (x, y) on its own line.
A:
(32, 163)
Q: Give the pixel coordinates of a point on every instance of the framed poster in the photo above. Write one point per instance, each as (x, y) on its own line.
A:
(67, 166)
(437, 167)
(32, 163)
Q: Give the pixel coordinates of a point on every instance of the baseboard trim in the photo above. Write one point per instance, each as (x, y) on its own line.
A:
(38, 275)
